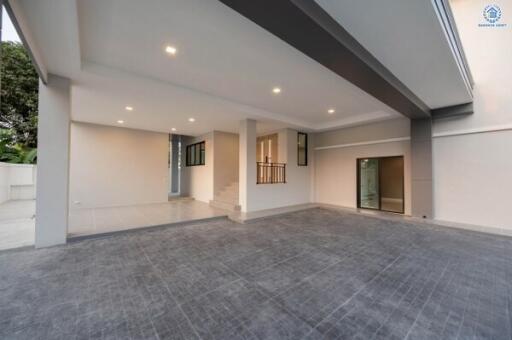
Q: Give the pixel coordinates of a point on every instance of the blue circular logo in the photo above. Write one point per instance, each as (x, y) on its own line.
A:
(492, 13)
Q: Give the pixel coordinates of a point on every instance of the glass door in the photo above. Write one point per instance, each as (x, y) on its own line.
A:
(368, 171)
(380, 183)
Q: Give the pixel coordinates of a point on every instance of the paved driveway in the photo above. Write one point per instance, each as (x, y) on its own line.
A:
(17, 223)
(312, 274)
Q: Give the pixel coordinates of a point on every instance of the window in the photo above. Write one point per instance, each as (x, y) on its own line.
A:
(196, 154)
(302, 149)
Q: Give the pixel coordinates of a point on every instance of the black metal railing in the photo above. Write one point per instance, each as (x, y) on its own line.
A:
(270, 173)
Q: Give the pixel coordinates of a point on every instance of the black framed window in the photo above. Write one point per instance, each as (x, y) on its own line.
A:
(302, 149)
(196, 154)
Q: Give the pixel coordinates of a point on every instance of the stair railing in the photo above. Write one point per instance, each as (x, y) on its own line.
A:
(270, 173)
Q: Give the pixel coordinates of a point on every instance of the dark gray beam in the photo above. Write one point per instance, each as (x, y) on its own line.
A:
(453, 111)
(304, 25)
(421, 168)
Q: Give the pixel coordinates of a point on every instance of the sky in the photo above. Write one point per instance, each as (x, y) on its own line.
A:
(8, 31)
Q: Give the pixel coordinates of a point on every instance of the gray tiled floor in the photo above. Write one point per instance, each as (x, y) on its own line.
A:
(312, 274)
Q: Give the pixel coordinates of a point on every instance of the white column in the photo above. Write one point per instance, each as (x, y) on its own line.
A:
(53, 162)
(247, 162)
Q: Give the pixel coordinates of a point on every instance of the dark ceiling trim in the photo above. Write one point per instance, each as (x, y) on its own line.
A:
(305, 25)
(453, 111)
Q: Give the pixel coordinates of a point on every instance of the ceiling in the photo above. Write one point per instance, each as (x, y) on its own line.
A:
(224, 71)
(407, 38)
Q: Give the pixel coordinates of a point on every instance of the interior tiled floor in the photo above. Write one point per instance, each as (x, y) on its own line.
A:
(315, 274)
(17, 223)
(104, 220)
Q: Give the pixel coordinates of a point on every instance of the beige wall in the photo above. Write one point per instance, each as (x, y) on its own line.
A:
(472, 163)
(225, 169)
(220, 169)
(112, 166)
(200, 177)
(296, 190)
(335, 175)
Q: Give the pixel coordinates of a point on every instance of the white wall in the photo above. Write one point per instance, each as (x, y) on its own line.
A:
(296, 190)
(336, 167)
(472, 172)
(112, 166)
(5, 187)
(226, 153)
(200, 177)
(17, 182)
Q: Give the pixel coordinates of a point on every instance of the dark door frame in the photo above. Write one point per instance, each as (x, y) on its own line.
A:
(358, 167)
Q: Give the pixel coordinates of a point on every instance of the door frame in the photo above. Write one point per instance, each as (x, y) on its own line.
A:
(358, 169)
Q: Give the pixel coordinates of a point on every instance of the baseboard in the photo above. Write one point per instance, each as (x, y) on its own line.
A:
(244, 217)
(438, 223)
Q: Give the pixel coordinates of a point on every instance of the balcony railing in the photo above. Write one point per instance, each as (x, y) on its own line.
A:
(270, 173)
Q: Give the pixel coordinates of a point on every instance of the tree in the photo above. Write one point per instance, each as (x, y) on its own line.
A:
(19, 96)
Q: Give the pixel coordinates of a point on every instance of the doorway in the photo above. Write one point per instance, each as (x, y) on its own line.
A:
(380, 183)
(266, 149)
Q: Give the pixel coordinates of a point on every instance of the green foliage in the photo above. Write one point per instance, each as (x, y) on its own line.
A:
(12, 152)
(19, 95)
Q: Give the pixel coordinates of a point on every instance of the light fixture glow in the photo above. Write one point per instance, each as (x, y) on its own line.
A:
(191, 120)
(171, 50)
(331, 111)
(129, 108)
(276, 90)
(120, 121)
(173, 129)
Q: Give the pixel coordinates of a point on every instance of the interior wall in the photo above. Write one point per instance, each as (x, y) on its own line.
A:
(336, 159)
(200, 177)
(297, 188)
(472, 181)
(226, 153)
(112, 166)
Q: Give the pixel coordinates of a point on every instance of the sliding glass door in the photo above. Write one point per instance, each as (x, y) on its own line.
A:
(380, 183)
(369, 183)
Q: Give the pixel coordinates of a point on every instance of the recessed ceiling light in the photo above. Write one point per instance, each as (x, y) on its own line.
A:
(171, 50)
(173, 129)
(120, 121)
(331, 111)
(129, 108)
(276, 90)
(191, 120)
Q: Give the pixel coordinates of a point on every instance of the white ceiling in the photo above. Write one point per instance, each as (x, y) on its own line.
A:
(225, 69)
(407, 38)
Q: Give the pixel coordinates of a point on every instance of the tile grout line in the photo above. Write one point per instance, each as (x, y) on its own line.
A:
(353, 295)
(428, 299)
(157, 272)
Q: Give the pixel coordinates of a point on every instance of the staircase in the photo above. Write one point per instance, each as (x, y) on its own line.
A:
(227, 198)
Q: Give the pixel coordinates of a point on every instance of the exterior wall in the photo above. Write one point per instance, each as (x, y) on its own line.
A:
(472, 166)
(5, 187)
(17, 182)
(112, 166)
(200, 177)
(226, 159)
(335, 174)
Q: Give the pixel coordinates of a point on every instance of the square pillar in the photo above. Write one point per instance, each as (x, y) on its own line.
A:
(421, 168)
(53, 162)
(247, 162)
